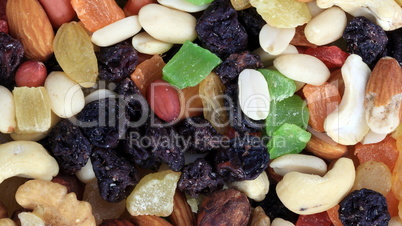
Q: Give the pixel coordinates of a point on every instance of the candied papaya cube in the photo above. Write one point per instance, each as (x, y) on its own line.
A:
(189, 66)
(280, 86)
(32, 109)
(288, 139)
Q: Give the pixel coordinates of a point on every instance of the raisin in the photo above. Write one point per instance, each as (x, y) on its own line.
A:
(69, 146)
(116, 176)
(11, 54)
(365, 39)
(231, 67)
(238, 120)
(162, 141)
(364, 207)
(198, 135)
(252, 22)
(245, 159)
(117, 62)
(197, 178)
(274, 208)
(219, 29)
(394, 46)
(102, 122)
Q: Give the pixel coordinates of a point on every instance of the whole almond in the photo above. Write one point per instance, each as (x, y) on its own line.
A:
(145, 220)
(164, 100)
(29, 23)
(182, 214)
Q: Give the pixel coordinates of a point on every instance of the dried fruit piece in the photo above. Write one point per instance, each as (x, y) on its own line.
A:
(283, 13)
(97, 13)
(147, 72)
(25, 19)
(374, 176)
(153, 195)
(333, 215)
(74, 52)
(314, 219)
(189, 66)
(280, 86)
(11, 53)
(331, 56)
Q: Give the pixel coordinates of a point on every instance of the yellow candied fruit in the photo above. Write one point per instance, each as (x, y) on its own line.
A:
(373, 175)
(282, 13)
(32, 109)
(153, 195)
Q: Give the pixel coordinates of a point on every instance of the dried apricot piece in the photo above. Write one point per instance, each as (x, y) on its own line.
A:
(333, 215)
(96, 14)
(392, 203)
(321, 101)
(384, 151)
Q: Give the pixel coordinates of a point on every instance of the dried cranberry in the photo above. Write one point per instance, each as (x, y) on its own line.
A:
(198, 178)
(219, 29)
(116, 176)
(11, 54)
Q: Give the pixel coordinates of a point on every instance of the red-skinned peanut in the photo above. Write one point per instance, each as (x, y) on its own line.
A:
(164, 100)
(31, 73)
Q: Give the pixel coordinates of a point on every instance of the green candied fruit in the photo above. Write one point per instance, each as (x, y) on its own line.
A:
(189, 66)
(200, 2)
(280, 86)
(288, 139)
(290, 110)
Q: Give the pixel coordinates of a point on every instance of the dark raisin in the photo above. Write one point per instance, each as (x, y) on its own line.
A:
(238, 120)
(116, 176)
(116, 62)
(364, 207)
(69, 146)
(394, 46)
(245, 158)
(198, 178)
(252, 22)
(11, 54)
(103, 123)
(274, 208)
(198, 135)
(219, 29)
(231, 67)
(116, 222)
(163, 142)
(365, 39)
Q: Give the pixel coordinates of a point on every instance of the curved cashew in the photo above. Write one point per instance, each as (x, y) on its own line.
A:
(255, 189)
(347, 124)
(386, 13)
(309, 194)
(26, 159)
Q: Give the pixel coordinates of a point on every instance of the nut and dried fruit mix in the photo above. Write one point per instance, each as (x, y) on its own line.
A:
(200, 112)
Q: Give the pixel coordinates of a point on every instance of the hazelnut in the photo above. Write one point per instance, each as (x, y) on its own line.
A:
(225, 207)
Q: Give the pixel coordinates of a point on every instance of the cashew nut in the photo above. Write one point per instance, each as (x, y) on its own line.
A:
(300, 163)
(347, 124)
(309, 194)
(7, 111)
(26, 159)
(386, 13)
(255, 189)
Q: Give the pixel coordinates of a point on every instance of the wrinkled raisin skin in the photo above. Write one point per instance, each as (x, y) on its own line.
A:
(365, 39)
(116, 176)
(394, 46)
(231, 67)
(116, 62)
(198, 178)
(364, 207)
(69, 146)
(245, 159)
(11, 54)
(253, 23)
(219, 29)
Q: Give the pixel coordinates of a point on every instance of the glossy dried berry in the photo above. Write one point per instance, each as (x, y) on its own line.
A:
(219, 29)
(162, 141)
(102, 122)
(252, 22)
(245, 159)
(365, 39)
(199, 134)
(69, 146)
(117, 62)
(11, 53)
(364, 207)
(116, 176)
(231, 67)
(238, 120)
(198, 178)
(394, 47)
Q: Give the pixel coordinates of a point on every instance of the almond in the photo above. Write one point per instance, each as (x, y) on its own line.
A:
(323, 146)
(29, 23)
(163, 99)
(182, 214)
(384, 96)
(146, 220)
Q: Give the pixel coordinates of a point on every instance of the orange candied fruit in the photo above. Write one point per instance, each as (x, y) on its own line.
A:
(333, 215)
(384, 151)
(96, 14)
